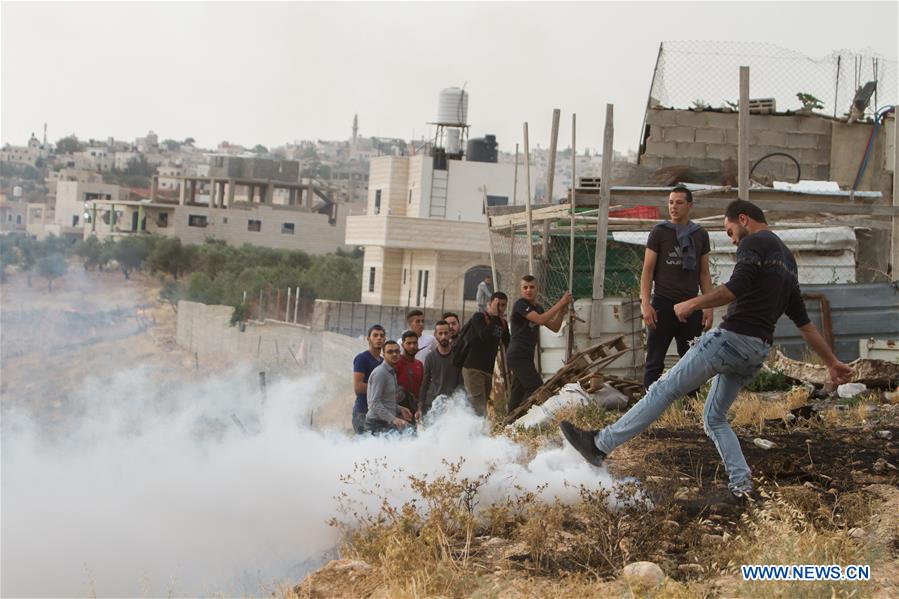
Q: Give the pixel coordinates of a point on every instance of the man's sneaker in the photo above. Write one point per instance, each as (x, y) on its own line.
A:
(583, 441)
(746, 495)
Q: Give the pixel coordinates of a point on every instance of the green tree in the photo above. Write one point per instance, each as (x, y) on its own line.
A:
(171, 145)
(260, 149)
(69, 145)
(200, 288)
(171, 292)
(169, 256)
(52, 267)
(90, 251)
(130, 253)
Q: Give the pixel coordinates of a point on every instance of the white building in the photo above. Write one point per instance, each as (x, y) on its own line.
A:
(30, 154)
(72, 202)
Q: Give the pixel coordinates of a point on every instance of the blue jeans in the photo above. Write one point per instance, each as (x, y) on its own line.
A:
(732, 359)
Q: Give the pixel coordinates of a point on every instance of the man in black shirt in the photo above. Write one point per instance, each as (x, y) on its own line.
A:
(675, 267)
(764, 285)
(527, 318)
(487, 330)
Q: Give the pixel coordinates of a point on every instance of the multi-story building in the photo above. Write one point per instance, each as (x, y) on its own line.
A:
(31, 154)
(425, 233)
(72, 204)
(13, 214)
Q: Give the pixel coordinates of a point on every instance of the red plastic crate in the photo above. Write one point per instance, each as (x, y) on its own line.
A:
(647, 212)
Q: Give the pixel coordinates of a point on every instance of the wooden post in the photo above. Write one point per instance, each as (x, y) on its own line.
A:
(550, 180)
(489, 238)
(743, 135)
(602, 226)
(569, 348)
(527, 176)
(515, 181)
(512, 228)
(894, 238)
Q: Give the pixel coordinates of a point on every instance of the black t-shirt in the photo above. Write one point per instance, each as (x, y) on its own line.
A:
(483, 341)
(766, 284)
(671, 281)
(524, 332)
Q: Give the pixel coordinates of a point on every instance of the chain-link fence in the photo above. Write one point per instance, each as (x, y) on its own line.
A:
(706, 74)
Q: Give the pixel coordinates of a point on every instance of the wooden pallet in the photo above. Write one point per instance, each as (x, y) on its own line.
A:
(581, 364)
(594, 382)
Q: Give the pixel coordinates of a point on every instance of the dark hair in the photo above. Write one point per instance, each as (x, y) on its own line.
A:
(529, 278)
(448, 314)
(407, 334)
(738, 207)
(441, 323)
(390, 342)
(684, 190)
(412, 313)
(374, 327)
(488, 276)
(499, 295)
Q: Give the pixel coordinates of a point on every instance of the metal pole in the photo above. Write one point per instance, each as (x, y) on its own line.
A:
(260, 312)
(296, 305)
(602, 226)
(836, 86)
(569, 348)
(550, 180)
(527, 176)
(743, 135)
(515, 181)
(894, 238)
(287, 309)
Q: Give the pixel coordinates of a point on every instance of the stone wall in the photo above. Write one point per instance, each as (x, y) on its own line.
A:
(704, 140)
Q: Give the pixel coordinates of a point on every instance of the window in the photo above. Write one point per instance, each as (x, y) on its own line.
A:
(74, 220)
(18, 219)
(371, 279)
(287, 228)
(254, 226)
(496, 201)
(410, 196)
(425, 294)
(9, 217)
(197, 220)
(224, 220)
(418, 291)
(404, 276)
(377, 201)
(162, 220)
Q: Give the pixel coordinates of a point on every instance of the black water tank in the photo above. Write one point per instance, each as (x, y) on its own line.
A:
(482, 149)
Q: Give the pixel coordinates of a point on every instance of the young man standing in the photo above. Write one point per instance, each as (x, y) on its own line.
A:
(675, 267)
(486, 332)
(363, 365)
(527, 318)
(415, 320)
(452, 319)
(384, 412)
(763, 286)
(485, 290)
(409, 370)
(441, 376)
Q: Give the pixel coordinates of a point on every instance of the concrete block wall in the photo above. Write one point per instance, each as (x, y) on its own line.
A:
(704, 140)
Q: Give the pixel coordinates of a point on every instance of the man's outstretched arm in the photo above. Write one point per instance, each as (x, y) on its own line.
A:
(720, 296)
(839, 373)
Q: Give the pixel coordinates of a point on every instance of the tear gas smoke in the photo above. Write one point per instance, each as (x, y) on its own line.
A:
(195, 488)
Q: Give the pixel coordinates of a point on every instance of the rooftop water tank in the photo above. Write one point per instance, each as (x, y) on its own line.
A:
(453, 141)
(452, 107)
(482, 149)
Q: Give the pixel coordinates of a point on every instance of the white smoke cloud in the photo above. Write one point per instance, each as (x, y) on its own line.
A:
(194, 488)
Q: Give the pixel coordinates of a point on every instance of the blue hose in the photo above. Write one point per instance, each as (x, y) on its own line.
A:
(878, 119)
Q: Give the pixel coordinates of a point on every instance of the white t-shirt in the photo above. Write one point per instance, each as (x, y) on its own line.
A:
(425, 343)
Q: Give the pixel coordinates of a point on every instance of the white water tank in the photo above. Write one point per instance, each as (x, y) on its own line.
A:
(453, 141)
(452, 107)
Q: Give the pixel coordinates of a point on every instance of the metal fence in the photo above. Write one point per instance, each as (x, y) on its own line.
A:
(704, 73)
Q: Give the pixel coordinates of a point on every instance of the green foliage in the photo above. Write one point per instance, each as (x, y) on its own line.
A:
(169, 256)
(90, 251)
(260, 149)
(19, 171)
(69, 145)
(52, 267)
(171, 292)
(171, 145)
(768, 380)
(240, 314)
(130, 253)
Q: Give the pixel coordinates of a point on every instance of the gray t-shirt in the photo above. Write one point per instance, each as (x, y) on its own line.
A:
(672, 282)
(441, 377)
(383, 394)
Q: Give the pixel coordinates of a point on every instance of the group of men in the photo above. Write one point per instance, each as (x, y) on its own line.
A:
(397, 381)
(764, 285)
(677, 298)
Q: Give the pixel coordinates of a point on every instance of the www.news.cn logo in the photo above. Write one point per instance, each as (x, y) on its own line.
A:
(806, 572)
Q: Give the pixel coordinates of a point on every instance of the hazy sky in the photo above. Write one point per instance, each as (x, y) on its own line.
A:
(273, 73)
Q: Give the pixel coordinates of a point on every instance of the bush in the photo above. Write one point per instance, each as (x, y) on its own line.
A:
(769, 380)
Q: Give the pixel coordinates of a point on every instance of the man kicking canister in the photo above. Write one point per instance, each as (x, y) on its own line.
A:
(763, 286)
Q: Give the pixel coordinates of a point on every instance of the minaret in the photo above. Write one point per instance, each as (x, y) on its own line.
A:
(45, 134)
(355, 128)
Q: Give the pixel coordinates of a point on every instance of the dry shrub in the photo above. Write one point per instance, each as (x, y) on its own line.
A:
(541, 530)
(422, 546)
(780, 532)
